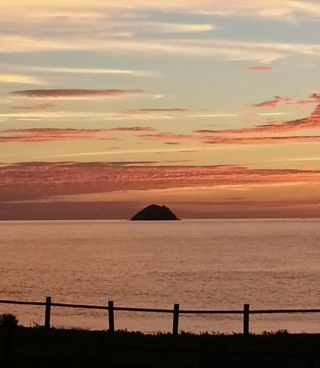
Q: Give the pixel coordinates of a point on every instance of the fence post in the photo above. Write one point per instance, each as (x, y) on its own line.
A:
(111, 316)
(246, 312)
(175, 320)
(47, 312)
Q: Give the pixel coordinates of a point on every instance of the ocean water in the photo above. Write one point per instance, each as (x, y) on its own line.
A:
(200, 264)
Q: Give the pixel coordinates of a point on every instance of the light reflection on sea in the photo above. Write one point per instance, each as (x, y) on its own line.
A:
(200, 264)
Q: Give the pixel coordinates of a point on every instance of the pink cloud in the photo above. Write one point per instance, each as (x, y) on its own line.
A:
(267, 132)
(260, 69)
(46, 180)
(262, 140)
(303, 102)
(35, 135)
(288, 101)
(73, 93)
(132, 129)
(166, 136)
(34, 107)
(273, 103)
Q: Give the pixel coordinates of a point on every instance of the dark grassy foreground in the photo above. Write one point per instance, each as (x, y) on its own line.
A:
(37, 347)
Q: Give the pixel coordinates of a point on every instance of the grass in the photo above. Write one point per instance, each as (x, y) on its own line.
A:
(38, 347)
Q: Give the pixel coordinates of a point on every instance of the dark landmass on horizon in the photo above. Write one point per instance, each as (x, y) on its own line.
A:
(155, 212)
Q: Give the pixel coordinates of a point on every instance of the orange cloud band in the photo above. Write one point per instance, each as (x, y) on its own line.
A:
(52, 134)
(47, 180)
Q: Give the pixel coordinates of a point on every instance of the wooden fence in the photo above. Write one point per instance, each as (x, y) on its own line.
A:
(176, 312)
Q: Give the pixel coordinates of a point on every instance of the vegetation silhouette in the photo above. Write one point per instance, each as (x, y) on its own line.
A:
(40, 347)
(8, 320)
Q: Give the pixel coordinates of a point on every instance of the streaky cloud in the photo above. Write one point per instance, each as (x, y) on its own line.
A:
(160, 27)
(76, 115)
(213, 116)
(132, 129)
(262, 140)
(27, 181)
(188, 48)
(148, 111)
(266, 134)
(34, 107)
(260, 69)
(272, 103)
(73, 93)
(288, 101)
(40, 135)
(20, 79)
(139, 73)
(287, 10)
(166, 136)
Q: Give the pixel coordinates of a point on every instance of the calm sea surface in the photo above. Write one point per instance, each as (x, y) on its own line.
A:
(200, 264)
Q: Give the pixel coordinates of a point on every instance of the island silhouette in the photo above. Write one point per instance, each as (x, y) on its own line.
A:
(154, 212)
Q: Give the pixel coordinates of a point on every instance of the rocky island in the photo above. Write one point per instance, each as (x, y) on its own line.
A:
(154, 212)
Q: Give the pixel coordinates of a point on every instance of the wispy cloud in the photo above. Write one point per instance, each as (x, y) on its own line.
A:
(34, 107)
(271, 133)
(71, 94)
(266, 134)
(213, 116)
(288, 101)
(266, 130)
(139, 26)
(50, 134)
(188, 48)
(39, 135)
(270, 113)
(166, 137)
(20, 79)
(13, 43)
(151, 111)
(286, 9)
(81, 115)
(261, 140)
(272, 103)
(183, 28)
(260, 69)
(111, 153)
(132, 129)
(127, 72)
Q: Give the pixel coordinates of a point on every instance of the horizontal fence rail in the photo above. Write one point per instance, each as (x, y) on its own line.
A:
(176, 312)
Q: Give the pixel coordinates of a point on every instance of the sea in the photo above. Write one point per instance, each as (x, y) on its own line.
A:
(198, 264)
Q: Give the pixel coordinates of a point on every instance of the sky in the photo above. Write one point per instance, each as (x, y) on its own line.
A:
(209, 107)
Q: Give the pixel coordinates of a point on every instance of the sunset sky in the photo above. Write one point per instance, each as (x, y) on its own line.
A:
(210, 107)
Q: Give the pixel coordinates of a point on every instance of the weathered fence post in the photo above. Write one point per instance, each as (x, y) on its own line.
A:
(175, 326)
(111, 316)
(47, 312)
(246, 312)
